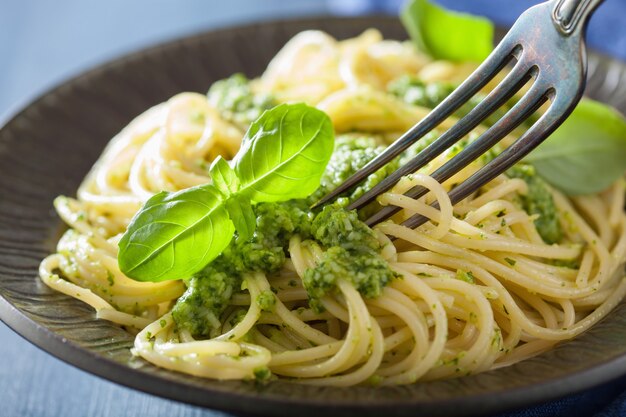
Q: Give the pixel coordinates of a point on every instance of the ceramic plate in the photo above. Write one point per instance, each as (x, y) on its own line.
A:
(48, 147)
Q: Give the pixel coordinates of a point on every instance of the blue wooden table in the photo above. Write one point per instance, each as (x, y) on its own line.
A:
(43, 42)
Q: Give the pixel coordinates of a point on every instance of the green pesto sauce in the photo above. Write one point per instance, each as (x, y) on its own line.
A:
(266, 301)
(565, 263)
(207, 295)
(236, 100)
(209, 291)
(414, 91)
(351, 153)
(539, 201)
(466, 276)
(352, 252)
(352, 248)
(262, 374)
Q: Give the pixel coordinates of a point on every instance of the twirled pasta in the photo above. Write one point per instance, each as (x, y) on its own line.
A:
(425, 325)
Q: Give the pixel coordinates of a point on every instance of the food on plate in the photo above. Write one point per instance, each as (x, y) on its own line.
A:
(194, 228)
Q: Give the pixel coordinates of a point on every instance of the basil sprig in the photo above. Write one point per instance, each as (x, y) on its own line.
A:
(283, 157)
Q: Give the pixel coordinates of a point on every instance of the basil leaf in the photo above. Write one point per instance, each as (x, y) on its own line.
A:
(284, 153)
(587, 153)
(445, 34)
(175, 235)
(240, 210)
(223, 176)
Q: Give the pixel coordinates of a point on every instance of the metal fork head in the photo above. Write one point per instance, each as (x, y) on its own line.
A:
(547, 44)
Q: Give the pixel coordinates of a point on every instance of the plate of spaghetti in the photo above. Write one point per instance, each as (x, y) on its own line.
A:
(182, 257)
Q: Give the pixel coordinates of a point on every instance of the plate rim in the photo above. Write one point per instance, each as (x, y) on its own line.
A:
(87, 361)
(227, 400)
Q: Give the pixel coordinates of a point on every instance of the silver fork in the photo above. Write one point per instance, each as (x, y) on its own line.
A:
(547, 44)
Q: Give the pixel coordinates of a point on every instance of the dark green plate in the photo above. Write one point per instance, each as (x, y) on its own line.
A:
(48, 147)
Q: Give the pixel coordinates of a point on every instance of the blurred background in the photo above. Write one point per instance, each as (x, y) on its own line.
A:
(43, 42)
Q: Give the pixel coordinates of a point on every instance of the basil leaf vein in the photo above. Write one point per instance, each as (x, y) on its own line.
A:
(191, 222)
(284, 153)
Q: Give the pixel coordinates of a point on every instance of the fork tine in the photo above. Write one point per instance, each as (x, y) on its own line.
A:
(497, 60)
(525, 107)
(512, 83)
(546, 124)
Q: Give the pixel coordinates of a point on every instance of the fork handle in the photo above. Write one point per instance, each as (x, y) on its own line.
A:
(570, 15)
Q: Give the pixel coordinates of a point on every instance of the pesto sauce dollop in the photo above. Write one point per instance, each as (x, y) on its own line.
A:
(352, 250)
(539, 201)
(234, 98)
(352, 152)
(414, 91)
(209, 291)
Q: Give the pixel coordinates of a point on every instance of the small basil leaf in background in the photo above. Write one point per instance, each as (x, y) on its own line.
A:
(284, 153)
(240, 210)
(587, 153)
(175, 235)
(223, 176)
(445, 34)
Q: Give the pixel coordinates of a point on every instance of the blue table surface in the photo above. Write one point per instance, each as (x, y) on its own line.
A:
(43, 42)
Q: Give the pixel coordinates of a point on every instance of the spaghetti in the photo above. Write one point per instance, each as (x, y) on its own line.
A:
(478, 289)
